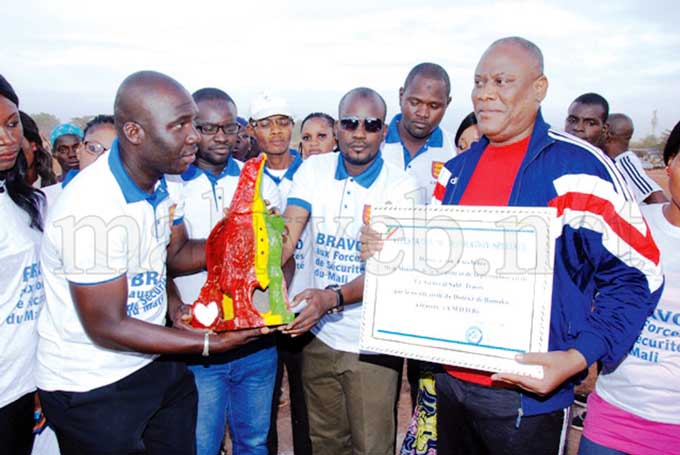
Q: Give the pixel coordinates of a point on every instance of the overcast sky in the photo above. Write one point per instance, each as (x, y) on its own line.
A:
(68, 57)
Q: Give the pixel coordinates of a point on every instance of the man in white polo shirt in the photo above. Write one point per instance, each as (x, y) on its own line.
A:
(235, 387)
(271, 124)
(350, 394)
(415, 142)
(108, 241)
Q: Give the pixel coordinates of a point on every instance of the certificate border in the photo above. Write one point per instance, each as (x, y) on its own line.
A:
(540, 322)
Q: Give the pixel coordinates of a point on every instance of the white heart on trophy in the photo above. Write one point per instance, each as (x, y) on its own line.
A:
(206, 314)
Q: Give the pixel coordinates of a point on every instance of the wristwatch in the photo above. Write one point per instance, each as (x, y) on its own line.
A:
(340, 301)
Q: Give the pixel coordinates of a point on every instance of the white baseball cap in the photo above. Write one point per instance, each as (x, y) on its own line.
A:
(265, 105)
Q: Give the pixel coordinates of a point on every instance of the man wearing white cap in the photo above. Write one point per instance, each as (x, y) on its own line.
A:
(271, 124)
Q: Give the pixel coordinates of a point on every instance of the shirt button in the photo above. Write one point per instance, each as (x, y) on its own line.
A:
(351, 180)
(349, 192)
(345, 205)
(409, 166)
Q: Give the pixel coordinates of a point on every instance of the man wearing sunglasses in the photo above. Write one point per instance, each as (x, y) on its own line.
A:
(350, 395)
(235, 387)
(415, 141)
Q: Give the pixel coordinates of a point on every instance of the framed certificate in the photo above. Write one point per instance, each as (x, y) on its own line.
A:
(461, 285)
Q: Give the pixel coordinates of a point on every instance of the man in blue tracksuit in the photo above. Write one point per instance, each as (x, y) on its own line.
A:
(606, 277)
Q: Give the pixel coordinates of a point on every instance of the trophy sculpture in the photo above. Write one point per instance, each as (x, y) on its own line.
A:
(243, 257)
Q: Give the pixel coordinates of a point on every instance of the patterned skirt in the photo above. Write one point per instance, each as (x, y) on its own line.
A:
(421, 436)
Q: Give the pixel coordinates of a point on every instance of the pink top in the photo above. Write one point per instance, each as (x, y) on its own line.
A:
(617, 429)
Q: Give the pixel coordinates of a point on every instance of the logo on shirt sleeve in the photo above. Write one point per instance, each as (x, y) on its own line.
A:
(437, 168)
(171, 213)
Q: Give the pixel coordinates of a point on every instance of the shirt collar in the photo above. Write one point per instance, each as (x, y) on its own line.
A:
(364, 179)
(230, 169)
(68, 177)
(290, 172)
(131, 191)
(436, 139)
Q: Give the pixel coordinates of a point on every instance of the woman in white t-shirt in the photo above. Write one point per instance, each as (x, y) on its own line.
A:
(636, 408)
(21, 294)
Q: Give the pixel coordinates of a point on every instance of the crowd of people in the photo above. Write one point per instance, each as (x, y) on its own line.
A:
(102, 251)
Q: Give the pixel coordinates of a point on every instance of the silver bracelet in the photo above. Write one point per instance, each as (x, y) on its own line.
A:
(206, 345)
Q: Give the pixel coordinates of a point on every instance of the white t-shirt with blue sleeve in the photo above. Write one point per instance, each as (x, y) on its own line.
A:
(21, 300)
(102, 227)
(336, 203)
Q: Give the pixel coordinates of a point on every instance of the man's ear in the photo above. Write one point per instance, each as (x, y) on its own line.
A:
(448, 101)
(401, 94)
(605, 131)
(134, 133)
(250, 130)
(540, 88)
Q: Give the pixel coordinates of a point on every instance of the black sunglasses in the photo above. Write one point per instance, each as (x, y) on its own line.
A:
(371, 125)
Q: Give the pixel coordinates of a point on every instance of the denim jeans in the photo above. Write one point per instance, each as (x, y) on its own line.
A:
(238, 392)
(588, 447)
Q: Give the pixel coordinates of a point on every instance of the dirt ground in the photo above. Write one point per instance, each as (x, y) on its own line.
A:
(660, 177)
(284, 429)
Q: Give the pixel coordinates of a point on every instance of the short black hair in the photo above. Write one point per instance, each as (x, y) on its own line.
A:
(101, 119)
(429, 71)
(212, 94)
(467, 122)
(363, 92)
(321, 115)
(672, 144)
(596, 100)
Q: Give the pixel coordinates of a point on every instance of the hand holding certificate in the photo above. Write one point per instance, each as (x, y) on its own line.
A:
(465, 286)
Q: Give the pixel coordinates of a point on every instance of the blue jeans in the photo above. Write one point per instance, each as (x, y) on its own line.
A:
(588, 447)
(238, 392)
